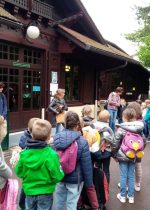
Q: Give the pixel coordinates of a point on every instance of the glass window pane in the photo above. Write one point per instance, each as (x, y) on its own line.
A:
(27, 96)
(13, 97)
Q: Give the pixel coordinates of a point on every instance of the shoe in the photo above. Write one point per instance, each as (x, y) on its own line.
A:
(137, 188)
(126, 186)
(130, 199)
(122, 199)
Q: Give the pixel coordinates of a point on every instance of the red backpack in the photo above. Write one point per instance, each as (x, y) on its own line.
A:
(68, 157)
(10, 200)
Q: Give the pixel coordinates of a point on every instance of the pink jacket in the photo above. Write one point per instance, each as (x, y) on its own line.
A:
(113, 101)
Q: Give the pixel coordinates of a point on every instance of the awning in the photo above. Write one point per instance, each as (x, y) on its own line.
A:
(7, 18)
(92, 45)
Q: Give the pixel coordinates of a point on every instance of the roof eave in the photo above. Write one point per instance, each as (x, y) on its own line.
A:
(10, 23)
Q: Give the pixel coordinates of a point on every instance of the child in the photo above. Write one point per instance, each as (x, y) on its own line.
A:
(56, 107)
(126, 164)
(23, 143)
(121, 109)
(27, 133)
(68, 191)
(147, 117)
(143, 109)
(39, 168)
(138, 167)
(86, 115)
(107, 137)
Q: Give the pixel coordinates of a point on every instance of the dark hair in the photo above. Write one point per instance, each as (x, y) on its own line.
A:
(2, 85)
(129, 114)
(119, 90)
(136, 106)
(72, 120)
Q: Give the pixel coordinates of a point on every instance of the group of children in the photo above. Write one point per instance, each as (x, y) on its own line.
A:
(39, 165)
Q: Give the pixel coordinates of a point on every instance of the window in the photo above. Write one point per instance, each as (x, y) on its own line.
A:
(10, 77)
(72, 83)
(9, 52)
(31, 90)
(32, 56)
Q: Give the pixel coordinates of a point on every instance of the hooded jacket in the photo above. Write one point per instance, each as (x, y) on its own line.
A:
(5, 171)
(83, 171)
(39, 168)
(134, 127)
(24, 138)
(3, 105)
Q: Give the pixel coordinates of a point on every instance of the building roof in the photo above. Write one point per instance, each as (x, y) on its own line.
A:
(5, 14)
(92, 45)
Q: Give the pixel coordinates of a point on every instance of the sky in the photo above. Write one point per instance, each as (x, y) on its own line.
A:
(114, 18)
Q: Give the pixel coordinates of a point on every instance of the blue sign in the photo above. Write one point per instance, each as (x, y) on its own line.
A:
(36, 88)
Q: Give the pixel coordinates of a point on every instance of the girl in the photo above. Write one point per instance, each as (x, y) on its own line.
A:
(58, 106)
(5, 171)
(126, 164)
(69, 189)
(138, 167)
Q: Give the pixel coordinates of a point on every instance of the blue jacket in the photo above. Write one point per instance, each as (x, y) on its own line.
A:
(24, 138)
(83, 171)
(147, 116)
(3, 105)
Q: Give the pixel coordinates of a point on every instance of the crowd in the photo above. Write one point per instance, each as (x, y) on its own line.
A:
(75, 162)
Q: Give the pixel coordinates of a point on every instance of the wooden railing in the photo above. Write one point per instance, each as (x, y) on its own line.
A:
(42, 9)
(38, 7)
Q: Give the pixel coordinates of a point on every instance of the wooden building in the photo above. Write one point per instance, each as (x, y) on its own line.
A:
(69, 53)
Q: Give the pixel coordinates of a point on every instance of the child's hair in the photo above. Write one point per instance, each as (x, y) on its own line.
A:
(87, 110)
(59, 92)
(129, 114)
(30, 123)
(104, 115)
(136, 106)
(147, 101)
(2, 85)
(72, 120)
(41, 130)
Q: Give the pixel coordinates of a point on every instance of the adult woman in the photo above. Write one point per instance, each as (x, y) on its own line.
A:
(56, 107)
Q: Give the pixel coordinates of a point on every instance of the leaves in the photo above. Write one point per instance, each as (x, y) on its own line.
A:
(142, 35)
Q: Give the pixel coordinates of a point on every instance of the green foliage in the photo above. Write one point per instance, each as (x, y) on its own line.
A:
(142, 35)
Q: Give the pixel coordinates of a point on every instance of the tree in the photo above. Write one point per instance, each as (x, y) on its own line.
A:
(142, 35)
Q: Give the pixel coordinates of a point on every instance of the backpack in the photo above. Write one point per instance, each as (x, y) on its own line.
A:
(10, 200)
(132, 145)
(68, 157)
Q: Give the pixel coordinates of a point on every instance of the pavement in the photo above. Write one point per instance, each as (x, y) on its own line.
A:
(141, 198)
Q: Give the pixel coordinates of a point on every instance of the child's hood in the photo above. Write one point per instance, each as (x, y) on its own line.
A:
(63, 139)
(35, 158)
(135, 126)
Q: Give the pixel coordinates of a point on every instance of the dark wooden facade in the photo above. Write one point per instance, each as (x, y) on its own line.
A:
(26, 66)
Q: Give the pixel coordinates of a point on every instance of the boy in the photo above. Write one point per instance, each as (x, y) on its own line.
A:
(27, 133)
(39, 167)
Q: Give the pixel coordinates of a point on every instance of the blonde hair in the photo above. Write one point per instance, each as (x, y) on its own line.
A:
(59, 92)
(30, 123)
(87, 110)
(41, 130)
(104, 115)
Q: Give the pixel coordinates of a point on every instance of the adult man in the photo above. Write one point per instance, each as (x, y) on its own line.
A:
(3, 102)
(113, 104)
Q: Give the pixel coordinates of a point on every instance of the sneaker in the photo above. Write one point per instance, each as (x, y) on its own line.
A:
(130, 199)
(122, 199)
(126, 186)
(137, 188)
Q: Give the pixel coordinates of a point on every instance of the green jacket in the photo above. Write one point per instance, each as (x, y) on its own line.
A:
(40, 170)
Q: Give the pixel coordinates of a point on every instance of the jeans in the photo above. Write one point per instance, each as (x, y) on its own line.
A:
(148, 131)
(67, 195)
(112, 120)
(39, 202)
(127, 177)
(59, 127)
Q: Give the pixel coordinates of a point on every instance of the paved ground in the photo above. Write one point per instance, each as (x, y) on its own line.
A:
(141, 198)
